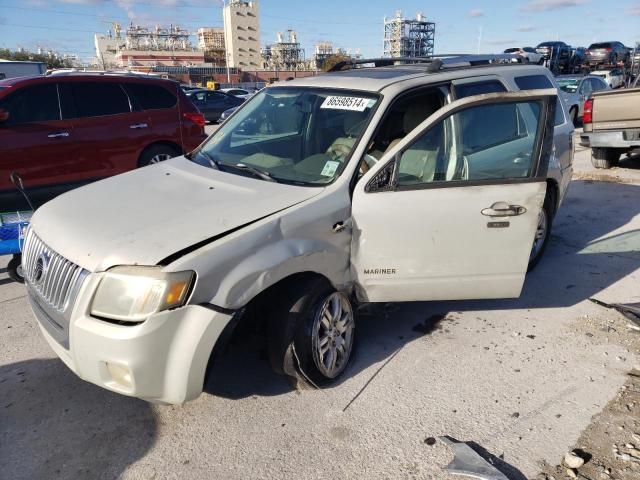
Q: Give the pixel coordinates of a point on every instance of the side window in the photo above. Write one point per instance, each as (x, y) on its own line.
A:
(533, 82)
(462, 148)
(33, 104)
(586, 88)
(97, 99)
(471, 89)
(215, 97)
(150, 97)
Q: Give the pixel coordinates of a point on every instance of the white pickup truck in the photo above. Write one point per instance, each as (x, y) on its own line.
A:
(426, 181)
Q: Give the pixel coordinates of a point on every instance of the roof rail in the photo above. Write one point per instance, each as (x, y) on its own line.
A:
(436, 62)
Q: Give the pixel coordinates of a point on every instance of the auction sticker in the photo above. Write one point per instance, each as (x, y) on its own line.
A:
(357, 104)
(330, 168)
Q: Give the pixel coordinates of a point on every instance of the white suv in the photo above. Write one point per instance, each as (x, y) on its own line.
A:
(426, 181)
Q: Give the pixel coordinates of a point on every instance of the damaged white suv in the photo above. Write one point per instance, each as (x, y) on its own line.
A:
(426, 181)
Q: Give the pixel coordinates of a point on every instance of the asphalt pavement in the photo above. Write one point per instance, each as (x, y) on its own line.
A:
(520, 378)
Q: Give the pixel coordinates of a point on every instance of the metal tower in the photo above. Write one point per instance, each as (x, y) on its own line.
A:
(408, 38)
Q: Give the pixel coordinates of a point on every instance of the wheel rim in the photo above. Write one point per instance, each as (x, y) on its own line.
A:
(541, 234)
(332, 337)
(161, 157)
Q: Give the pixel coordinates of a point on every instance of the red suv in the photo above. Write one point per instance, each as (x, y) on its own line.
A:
(61, 131)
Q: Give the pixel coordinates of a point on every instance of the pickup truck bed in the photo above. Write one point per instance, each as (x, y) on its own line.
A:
(614, 128)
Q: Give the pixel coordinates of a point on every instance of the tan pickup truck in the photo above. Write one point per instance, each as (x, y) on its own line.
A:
(611, 125)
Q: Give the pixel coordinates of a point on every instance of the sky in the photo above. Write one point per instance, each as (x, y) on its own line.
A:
(67, 26)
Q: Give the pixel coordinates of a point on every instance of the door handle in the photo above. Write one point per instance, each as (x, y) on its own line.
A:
(503, 209)
(340, 226)
(58, 135)
(138, 125)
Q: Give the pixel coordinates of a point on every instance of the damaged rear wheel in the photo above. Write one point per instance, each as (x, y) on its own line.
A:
(314, 338)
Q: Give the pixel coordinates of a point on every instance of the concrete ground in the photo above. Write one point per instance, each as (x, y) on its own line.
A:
(519, 378)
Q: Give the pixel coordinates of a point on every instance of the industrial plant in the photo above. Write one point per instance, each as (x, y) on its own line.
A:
(236, 47)
(408, 38)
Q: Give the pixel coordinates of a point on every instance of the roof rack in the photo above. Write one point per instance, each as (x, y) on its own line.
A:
(435, 62)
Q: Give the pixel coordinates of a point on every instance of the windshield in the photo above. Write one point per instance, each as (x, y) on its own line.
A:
(569, 85)
(297, 135)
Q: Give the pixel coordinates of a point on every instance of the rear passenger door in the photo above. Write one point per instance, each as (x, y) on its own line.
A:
(157, 107)
(109, 135)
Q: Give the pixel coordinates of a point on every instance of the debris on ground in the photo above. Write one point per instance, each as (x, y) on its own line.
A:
(468, 462)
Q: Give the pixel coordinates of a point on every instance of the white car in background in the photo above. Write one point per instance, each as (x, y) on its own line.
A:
(614, 78)
(528, 54)
(238, 92)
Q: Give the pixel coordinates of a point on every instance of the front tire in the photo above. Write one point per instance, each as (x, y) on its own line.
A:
(313, 328)
(605, 157)
(14, 269)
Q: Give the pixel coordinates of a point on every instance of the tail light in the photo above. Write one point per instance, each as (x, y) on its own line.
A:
(609, 49)
(195, 117)
(587, 114)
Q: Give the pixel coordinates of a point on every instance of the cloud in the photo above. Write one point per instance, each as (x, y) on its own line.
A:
(635, 10)
(500, 42)
(475, 13)
(547, 5)
(526, 28)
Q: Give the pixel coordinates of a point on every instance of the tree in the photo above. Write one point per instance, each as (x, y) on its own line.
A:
(333, 60)
(52, 61)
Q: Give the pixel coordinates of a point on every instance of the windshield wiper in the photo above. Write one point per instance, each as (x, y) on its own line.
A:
(255, 171)
(212, 161)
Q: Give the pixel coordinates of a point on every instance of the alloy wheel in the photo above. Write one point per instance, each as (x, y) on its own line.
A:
(541, 234)
(332, 335)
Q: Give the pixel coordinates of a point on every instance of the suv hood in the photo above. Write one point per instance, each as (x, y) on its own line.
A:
(146, 215)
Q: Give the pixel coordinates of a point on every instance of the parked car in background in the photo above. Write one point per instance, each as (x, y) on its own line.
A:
(528, 54)
(12, 69)
(611, 125)
(189, 88)
(227, 113)
(213, 102)
(62, 131)
(557, 54)
(614, 78)
(576, 62)
(238, 92)
(607, 53)
(575, 90)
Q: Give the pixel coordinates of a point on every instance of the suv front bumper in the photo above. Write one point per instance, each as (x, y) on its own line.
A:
(161, 360)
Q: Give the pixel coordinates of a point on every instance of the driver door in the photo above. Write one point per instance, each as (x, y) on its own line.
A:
(451, 212)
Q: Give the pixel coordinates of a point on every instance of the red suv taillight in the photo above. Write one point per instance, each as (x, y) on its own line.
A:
(195, 117)
(587, 113)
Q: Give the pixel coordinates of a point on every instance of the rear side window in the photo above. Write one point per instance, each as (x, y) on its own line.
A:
(38, 103)
(99, 99)
(471, 89)
(151, 97)
(533, 82)
(538, 82)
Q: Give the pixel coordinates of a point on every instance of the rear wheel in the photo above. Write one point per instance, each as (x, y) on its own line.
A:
(157, 154)
(605, 157)
(573, 113)
(543, 230)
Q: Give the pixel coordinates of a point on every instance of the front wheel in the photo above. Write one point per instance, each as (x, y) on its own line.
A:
(14, 269)
(321, 322)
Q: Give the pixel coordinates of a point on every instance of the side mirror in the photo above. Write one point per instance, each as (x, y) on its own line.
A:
(4, 115)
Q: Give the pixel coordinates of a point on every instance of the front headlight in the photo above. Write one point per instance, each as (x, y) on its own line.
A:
(131, 294)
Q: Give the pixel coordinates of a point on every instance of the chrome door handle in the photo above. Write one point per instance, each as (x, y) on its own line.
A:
(503, 209)
(58, 135)
(138, 125)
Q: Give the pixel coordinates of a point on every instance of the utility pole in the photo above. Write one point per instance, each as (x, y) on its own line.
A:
(479, 39)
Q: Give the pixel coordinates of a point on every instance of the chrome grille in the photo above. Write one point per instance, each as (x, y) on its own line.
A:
(52, 276)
